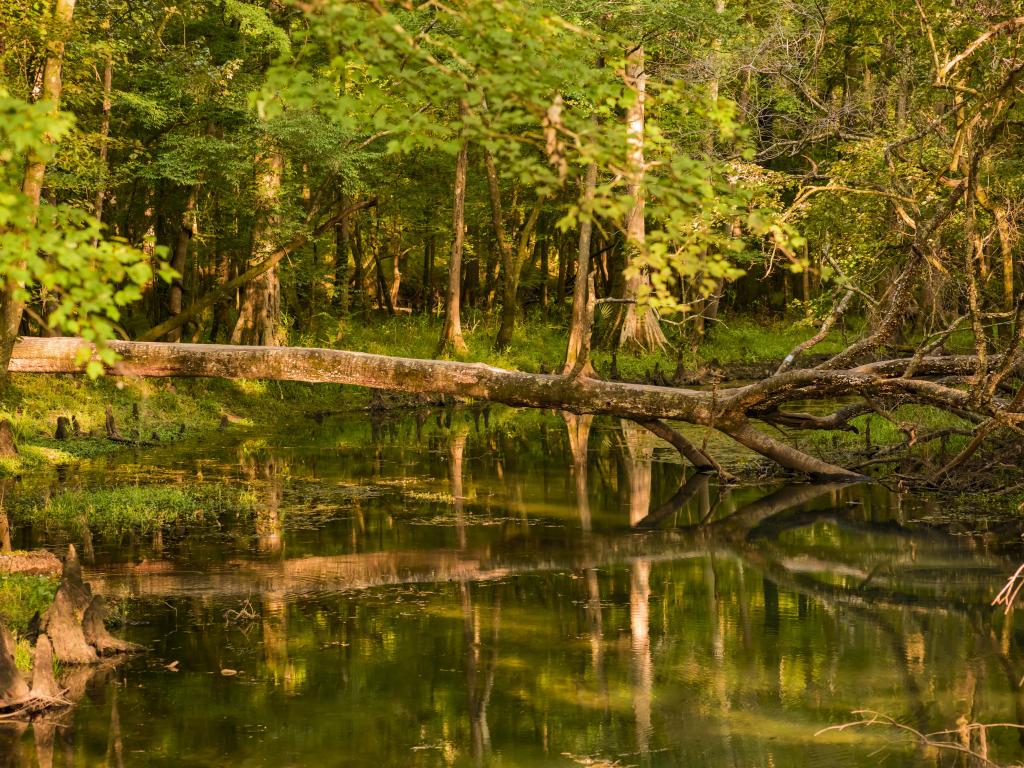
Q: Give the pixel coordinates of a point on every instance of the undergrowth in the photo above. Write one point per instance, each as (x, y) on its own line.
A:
(21, 596)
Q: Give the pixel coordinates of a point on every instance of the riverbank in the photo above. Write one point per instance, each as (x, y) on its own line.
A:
(168, 410)
(103, 416)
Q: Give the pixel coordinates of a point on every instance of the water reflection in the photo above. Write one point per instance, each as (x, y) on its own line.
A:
(490, 588)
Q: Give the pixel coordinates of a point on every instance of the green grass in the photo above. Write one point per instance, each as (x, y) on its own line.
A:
(135, 507)
(21, 596)
(539, 343)
(883, 432)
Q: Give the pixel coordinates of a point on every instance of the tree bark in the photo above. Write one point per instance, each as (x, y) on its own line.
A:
(639, 328)
(13, 688)
(108, 82)
(260, 317)
(342, 248)
(511, 270)
(579, 323)
(251, 273)
(180, 260)
(451, 335)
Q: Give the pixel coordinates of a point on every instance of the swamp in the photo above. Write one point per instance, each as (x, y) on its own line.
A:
(511, 383)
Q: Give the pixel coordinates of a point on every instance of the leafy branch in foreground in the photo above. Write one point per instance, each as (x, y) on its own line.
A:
(59, 253)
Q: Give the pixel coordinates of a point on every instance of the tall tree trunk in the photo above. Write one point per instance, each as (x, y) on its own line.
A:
(359, 270)
(342, 246)
(451, 334)
(260, 315)
(579, 323)
(13, 304)
(108, 81)
(180, 260)
(544, 244)
(222, 307)
(428, 269)
(638, 329)
(383, 291)
(502, 246)
(396, 274)
(510, 279)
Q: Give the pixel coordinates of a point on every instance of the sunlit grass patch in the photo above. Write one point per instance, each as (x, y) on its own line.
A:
(21, 596)
(137, 507)
(874, 430)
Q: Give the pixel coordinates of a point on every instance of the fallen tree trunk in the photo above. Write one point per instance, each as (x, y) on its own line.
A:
(728, 410)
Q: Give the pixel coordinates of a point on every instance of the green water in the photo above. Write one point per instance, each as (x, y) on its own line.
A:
(464, 588)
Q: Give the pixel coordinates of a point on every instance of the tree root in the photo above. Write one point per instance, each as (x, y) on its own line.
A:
(72, 632)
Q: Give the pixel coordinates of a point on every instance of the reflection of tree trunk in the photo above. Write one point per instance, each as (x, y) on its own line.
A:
(717, 638)
(479, 678)
(640, 652)
(44, 732)
(595, 621)
(578, 428)
(697, 483)
(115, 747)
(269, 522)
(10, 743)
(88, 552)
(274, 615)
(639, 451)
(456, 450)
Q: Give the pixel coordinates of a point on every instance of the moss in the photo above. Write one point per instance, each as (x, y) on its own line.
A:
(21, 596)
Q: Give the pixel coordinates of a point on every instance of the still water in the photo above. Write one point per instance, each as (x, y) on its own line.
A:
(493, 588)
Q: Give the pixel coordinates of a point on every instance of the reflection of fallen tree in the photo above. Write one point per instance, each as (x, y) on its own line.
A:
(309, 575)
(740, 535)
